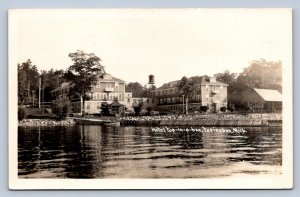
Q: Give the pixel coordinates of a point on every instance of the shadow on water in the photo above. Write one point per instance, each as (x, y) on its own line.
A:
(137, 152)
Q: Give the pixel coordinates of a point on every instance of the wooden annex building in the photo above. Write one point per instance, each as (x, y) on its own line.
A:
(262, 100)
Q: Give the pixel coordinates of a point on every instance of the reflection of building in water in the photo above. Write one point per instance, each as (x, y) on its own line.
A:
(215, 148)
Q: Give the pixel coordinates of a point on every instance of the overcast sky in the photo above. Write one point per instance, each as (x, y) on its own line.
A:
(169, 44)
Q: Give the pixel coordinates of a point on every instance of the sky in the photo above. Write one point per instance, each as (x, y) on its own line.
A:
(168, 43)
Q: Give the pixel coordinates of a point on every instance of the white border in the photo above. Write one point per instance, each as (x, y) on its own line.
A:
(249, 182)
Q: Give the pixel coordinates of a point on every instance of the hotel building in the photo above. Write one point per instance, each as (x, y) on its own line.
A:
(107, 89)
(209, 92)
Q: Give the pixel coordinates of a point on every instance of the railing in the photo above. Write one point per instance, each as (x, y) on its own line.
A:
(108, 89)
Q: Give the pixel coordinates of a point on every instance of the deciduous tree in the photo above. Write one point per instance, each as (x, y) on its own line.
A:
(188, 89)
(136, 88)
(83, 73)
(28, 77)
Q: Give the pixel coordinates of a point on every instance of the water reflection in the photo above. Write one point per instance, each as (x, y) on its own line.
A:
(137, 152)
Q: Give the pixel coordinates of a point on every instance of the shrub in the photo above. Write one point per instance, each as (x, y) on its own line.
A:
(223, 109)
(204, 108)
(22, 113)
(60, 109)
(105, 109)
(149, 109)
(137, 110)
(232, 108)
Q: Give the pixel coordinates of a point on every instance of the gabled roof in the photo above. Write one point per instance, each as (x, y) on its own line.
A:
(214, 83)
(172, 84)
(113, 79)
(116, 104)
(268, 94)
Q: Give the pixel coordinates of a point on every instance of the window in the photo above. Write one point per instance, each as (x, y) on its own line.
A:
(88, 106)
(103, 84)
(98, 106)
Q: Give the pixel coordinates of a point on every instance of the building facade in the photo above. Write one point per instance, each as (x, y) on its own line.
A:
(106, 90)
(167, 98)
(131, 102)
(209, 92)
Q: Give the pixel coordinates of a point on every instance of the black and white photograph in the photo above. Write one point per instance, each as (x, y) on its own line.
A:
(150, 98)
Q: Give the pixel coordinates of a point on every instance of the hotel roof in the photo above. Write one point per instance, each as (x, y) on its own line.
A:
(197, 80)
(110, 79)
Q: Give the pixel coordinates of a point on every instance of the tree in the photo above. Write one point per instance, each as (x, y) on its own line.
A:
(61, 109)
(262, 74)
(226, 77)
(136, 88)
(22, 112)
(230, 79)
(187, 87)
(138, 107)
(83, 73)
(50, 80)
(28, 78)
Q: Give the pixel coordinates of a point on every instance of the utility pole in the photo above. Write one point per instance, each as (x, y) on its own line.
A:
(183, 104)
(28, 93)
(40, 92)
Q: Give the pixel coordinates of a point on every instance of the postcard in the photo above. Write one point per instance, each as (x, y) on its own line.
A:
(150, 99)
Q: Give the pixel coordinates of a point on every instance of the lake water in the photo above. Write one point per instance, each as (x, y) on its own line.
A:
(138, 152)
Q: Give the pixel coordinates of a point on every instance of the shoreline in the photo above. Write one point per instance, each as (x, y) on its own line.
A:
(45, 122)
(218, 120)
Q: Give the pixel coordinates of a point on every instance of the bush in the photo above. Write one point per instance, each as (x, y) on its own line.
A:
(104, 109)
(204, 108)
(60, 109)
(149, 109)
(22, 113)
(223, 109)
(137, 110)
(232, 108)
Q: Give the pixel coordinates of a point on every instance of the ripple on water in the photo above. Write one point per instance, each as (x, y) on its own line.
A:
(95, 152)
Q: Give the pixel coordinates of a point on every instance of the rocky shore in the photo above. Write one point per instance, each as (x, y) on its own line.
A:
(253, 119)
(46, 122)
